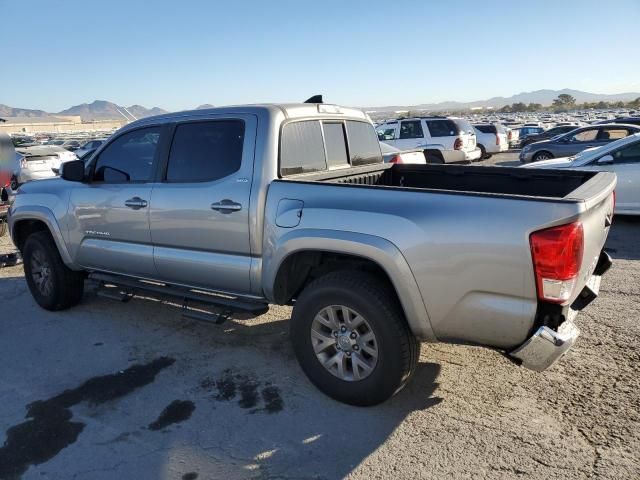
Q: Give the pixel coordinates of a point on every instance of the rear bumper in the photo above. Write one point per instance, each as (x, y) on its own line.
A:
(27, 175)
(473, 154)
(547, 345)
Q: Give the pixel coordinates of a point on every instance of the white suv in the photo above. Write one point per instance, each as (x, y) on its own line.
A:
(445, 139)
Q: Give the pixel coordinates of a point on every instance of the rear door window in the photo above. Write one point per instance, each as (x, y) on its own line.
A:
(487, 128)
(612, 133)
(335, 143)
(442, 128)
(364, 147)
(205, 151)
(411, 129)
(301, 148)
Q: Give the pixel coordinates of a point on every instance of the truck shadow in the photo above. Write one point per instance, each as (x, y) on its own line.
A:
(621, 243)
(252, 413)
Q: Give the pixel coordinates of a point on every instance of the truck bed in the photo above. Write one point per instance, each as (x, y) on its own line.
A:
(462, 179)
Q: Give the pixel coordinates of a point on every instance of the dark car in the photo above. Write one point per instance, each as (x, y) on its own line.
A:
(576, 141)
(625, 120)
(552, 132)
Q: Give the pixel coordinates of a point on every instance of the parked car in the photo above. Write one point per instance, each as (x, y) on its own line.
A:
(444, 139)
(576, 141)
(36, 163)
(546, 134)
(491, 139)
(393, 155)
(621, 157)
(625, 120)
(7, 155)
(292, 204)
(91, 145)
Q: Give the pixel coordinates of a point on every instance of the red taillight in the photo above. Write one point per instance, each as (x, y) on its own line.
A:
(497, 139)
(509, 135)
(614, 201)
(457, 145)
(396, 159)
(557, 256)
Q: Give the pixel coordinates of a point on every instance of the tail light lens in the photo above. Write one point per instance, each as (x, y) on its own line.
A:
(614, 200)
(557, 256)
(497, 139)
(396, 159)
(457, 145)
(509, 135)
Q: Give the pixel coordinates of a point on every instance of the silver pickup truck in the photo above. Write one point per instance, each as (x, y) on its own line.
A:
(291, 204)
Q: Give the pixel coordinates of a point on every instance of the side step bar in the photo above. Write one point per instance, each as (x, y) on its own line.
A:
(228, 305)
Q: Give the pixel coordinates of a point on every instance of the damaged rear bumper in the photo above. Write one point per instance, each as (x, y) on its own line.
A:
(547, 345)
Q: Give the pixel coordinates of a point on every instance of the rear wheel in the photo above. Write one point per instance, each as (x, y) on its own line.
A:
(433, 158)
(483, 152)
(14, 183)
(543, 155)
(52, 284)
(351, 339)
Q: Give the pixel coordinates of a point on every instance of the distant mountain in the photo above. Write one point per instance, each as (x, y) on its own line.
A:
(6, 111)
(140, 112)
(204, 106)
(103, 110)
(544, 97)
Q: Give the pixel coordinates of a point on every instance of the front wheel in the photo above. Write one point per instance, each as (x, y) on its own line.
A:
(538, 157)
(52, 284)
(351, 339)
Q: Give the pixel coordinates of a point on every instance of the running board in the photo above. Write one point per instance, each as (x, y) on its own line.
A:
(228, 305)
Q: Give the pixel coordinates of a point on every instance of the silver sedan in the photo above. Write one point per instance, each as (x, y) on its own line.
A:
(621, 157)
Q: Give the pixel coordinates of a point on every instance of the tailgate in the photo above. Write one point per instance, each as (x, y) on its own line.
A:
(597, 195)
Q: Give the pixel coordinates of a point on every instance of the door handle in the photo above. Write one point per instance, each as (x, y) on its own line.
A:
(136, 203)
(226, 206)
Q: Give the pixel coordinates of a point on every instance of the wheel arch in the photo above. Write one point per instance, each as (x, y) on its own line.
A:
(302, 255)
(23, 223)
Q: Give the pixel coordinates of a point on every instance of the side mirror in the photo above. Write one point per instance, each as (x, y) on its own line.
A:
(72, 171)
(606, 160)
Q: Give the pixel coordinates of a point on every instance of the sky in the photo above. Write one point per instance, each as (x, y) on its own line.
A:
(182, 53)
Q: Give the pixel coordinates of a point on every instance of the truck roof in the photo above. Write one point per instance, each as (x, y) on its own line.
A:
(289, 110)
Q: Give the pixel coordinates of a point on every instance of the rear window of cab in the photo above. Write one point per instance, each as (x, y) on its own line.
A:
(309, 146)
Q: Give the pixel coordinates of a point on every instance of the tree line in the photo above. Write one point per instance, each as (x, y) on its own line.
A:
(566, 102)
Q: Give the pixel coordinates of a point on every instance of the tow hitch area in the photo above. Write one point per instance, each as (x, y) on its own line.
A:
(546, 346)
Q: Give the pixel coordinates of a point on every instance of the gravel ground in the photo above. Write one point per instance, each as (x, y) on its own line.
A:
(137, 391)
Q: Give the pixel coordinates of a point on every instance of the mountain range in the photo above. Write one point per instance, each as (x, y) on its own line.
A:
(543, 97)
(104, 110)
(97, 110)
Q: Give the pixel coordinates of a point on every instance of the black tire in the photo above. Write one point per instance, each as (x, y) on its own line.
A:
(3, 228)
(432, 158)
(542, 155)
(488, 156)
(398, 348)
(14, 184)
(483, 152)
(66, 286)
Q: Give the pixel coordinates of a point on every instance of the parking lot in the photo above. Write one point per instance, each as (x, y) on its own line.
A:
(112, 390)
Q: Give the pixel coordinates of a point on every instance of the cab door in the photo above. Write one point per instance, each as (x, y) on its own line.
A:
(109, 216)
(200, 209)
